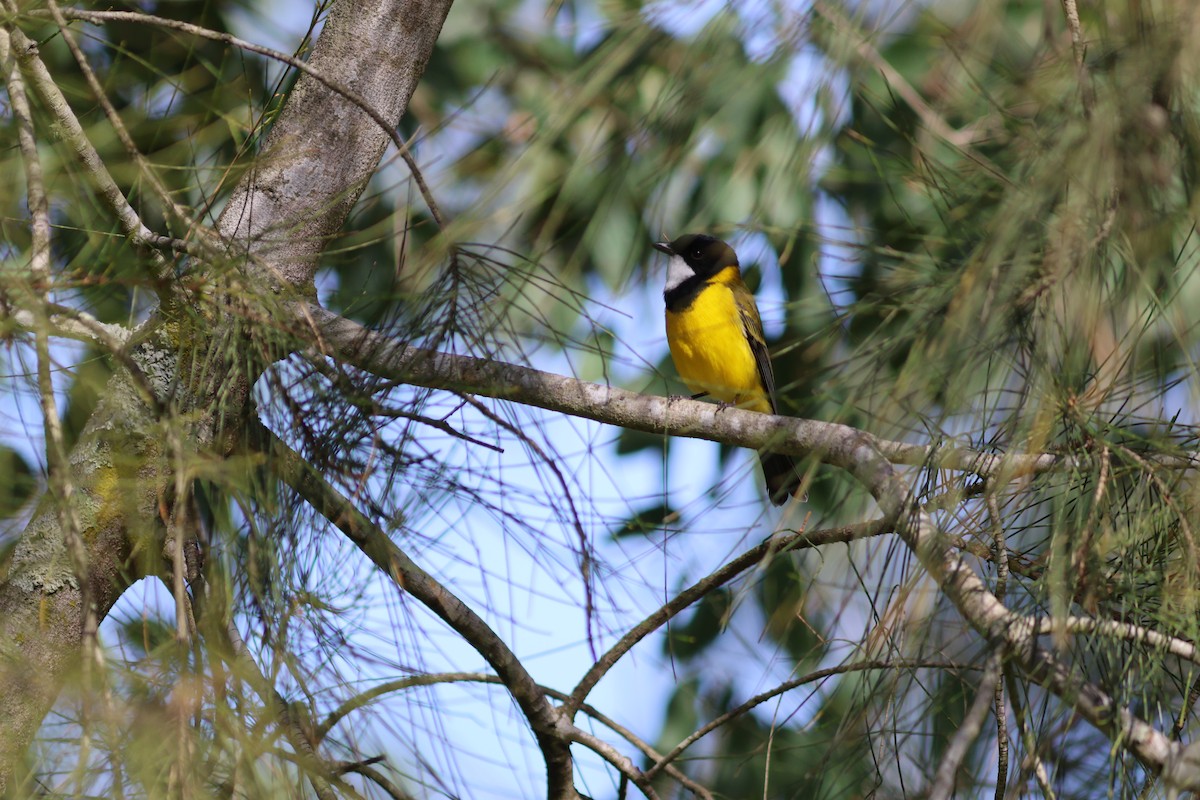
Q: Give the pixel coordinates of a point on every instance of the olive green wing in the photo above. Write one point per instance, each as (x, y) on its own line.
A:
(782, 477)
(753, 330)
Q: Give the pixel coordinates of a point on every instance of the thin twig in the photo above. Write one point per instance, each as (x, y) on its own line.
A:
(1032, 762)
(114, 119)
(318, 772)
(1089, 527)
(439, 424)
(549, 727)
(935, 122)
(947, 771)
(68, 126)
(780, 543)
(1189, 538)
(1071, 10)
(1000, 556)
(587, 573)
(787, 686)
(62, 488)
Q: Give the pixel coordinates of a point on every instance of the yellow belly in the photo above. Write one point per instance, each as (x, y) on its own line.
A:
(710, 351)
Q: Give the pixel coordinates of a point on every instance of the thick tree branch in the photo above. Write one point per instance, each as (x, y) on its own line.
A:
(325, 146)
(377, 353)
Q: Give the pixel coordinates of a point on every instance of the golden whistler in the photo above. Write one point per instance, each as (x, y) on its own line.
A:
(716, 338)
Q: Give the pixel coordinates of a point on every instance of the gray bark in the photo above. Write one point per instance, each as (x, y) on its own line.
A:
(315, 163)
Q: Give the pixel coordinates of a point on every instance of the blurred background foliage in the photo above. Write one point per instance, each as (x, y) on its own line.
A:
(965, 227)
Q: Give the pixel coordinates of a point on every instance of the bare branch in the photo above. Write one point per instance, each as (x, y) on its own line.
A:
(776, 545)
(967, 733)
(863, 455)
(369, 696)
(610, 754)
(382, 355)
(1000, 557)
(68, 323)
(549, 727)
(364, 698)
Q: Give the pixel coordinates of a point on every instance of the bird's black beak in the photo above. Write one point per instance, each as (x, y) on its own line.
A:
(664, 247)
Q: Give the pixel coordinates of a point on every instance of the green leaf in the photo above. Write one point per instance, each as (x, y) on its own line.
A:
(646, 521)
(707, 622)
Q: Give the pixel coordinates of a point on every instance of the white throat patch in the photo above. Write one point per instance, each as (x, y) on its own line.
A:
(677, 272)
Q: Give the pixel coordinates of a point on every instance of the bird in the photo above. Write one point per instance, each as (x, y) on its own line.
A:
(716, 339)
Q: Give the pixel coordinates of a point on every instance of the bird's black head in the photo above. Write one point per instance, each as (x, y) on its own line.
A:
(704, 254)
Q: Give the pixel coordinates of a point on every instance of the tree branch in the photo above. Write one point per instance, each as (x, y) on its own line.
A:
(365, 697)
(377, 353)
(67, 323)
(380, 118)
(310, 175)
(796, 540)
(549, 727)
(786, 686)
(967, 733)
(1001, 628)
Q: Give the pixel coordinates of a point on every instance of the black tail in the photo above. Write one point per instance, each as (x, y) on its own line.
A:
(783, 479)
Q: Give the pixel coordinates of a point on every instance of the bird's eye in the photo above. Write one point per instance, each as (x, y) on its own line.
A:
(697, 253)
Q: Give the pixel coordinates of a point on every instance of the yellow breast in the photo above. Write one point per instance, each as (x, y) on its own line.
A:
(709, 348)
